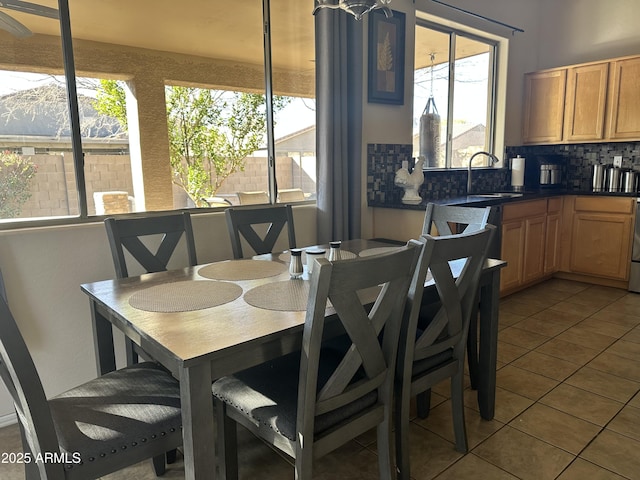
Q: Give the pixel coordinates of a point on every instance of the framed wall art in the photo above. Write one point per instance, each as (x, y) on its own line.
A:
(386, 58)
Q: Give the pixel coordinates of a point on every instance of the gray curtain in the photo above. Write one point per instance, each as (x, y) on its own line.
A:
(339, 84)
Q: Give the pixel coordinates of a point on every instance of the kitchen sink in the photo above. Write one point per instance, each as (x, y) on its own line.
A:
(497, 195)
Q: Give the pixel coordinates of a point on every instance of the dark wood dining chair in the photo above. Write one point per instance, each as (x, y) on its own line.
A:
(434, 352)
(449, 220)
(250, 223)
(309, 403)
(97, 428)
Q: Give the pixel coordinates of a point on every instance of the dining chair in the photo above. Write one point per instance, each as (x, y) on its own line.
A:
(129, 233)
(308, 403)
(260, 227)
(109, 423)
(434, 352)
(449, 220)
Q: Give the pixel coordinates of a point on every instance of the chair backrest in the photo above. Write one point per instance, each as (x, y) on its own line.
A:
(462, 219)
(367, 367)
(242, 223)
(455, 263)
(20, 376)
(253, 198)
(126, 233)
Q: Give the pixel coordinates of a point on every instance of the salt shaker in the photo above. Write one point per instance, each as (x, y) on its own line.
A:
(334, 251)
(295, 265)
(312, 254)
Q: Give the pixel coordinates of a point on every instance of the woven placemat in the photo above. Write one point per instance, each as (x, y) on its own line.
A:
(344, 254)
(242, 270)
(185, 296)
(377, 251)
(286, 296)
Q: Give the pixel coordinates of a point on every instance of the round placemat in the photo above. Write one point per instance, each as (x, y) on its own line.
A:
(345, 255)
(377, 251)
(185, 296)
(286, 296)
(242, 270)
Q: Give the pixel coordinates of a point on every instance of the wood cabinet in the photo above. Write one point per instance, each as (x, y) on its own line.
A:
(624, 100)
(544, 106)
(601, 237)
(598, 101)
(553, 236)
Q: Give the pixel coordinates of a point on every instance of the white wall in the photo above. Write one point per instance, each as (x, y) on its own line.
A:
(43, 269)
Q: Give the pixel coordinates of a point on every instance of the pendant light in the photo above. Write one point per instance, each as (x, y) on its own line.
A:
(357, 8)
(430, 128)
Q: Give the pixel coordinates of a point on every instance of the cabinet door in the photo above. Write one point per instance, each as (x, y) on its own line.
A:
(624, 98)
(601, 245)
(512, 253)
(585, 102)
(534, 243)
(544, 106)
(552, 247)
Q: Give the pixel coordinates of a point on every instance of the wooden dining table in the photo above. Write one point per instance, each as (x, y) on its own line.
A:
(212, 320)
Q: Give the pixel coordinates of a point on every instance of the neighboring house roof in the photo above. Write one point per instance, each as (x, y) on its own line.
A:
(42, 113)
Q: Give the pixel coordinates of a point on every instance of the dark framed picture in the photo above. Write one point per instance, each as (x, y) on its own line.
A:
(386, 58)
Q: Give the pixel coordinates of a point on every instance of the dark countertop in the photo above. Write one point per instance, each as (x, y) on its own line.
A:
(480, 201)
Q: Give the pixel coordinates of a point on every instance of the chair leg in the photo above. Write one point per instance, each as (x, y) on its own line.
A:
(171, 456)
(423, 402)
(402, 436)
(227, 443)
(457, 409)
(31, 470)
(159, 465)
(132, 356)
(385, 449)
(472, 348)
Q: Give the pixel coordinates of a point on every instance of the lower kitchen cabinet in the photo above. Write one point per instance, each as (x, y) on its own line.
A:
(553, 236)
(601, 237)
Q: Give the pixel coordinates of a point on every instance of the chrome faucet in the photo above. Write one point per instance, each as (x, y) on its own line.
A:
(492, 159)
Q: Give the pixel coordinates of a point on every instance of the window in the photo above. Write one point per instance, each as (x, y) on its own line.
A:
(454, 96)
(149, 55)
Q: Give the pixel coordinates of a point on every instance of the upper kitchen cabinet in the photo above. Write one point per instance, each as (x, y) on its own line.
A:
(544, 106)
(583, 103)
(624, 99)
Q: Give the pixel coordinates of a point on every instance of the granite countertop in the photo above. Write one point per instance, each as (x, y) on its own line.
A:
(479, 200)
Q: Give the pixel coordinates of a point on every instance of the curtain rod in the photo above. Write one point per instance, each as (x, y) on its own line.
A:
(513, 29)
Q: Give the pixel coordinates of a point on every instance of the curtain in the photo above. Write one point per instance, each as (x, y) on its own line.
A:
(339, 84)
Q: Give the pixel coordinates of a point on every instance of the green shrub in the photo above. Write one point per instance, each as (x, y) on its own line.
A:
(16, 173)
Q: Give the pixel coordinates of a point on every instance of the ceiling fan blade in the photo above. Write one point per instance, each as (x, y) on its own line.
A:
(28, 7)
(14, 27)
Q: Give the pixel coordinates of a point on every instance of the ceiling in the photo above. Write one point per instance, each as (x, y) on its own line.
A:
(222, 29)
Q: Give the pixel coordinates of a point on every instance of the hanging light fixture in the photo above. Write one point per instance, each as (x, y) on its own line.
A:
(357, 8)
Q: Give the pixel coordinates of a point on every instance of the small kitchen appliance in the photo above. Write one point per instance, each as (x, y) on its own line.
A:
(597, 178)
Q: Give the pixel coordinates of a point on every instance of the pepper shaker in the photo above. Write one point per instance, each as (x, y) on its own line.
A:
(295, 265)
(334, 251)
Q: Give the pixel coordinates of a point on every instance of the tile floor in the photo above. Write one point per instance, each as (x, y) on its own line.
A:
(567, 407)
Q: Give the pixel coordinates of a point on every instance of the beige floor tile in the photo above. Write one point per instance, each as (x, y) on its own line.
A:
(472, 467)
(612, 314)
(546, 325)
(617, 365)
(556, 428)
(601, 327)
(523, 455)
(631, 299)
(604, 384)
(632, 336)
(521, 338)
(560, 317)
(615, 452)
(506, 319)
(635, 401)
(582, 404)
(520, 308)
(626, 349)
(350, 462)
(509, 405)
(622, 307)
(585, 338)
(575, 309)
(568, 351)
(534, 298)
(585, 299)
(524, 382)
(627, 422)
(562, 285)
(430, 454)
(546, 365)
(507, 352)
(582, 470)
(440, 421)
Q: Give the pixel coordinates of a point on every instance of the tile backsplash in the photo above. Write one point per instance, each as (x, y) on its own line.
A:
(383, 160)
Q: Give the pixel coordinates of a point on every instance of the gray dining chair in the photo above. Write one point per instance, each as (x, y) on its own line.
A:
(130, 233)
(434, 352)
(260, 227)
(99, 427)
(449, 220)
(309, 403)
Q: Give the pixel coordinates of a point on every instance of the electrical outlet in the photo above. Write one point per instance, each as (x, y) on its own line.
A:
(617, 161)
